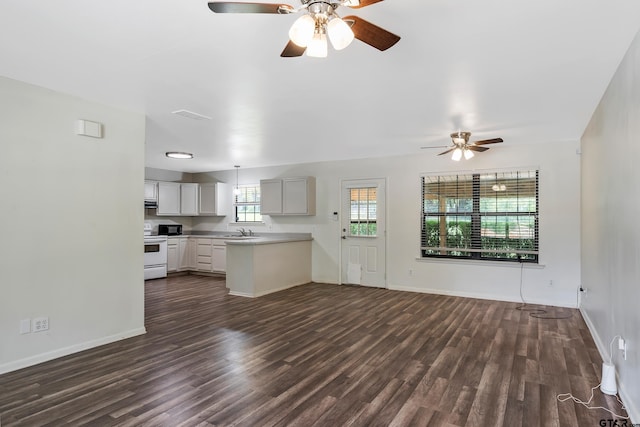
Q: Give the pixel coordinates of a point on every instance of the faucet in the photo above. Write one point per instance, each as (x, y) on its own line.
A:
(250, 232)
(242, 232)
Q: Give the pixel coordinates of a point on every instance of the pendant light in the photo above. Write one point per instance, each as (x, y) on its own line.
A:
(236, 191)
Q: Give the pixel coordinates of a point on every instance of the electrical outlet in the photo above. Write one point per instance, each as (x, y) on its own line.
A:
(622, 346)
(40, 324)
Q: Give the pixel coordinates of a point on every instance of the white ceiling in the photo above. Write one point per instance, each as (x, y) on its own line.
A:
(528, 71)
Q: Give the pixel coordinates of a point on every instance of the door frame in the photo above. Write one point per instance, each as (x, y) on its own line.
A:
(386, 216)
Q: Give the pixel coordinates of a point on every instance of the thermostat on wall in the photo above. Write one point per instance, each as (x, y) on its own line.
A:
(89, 128)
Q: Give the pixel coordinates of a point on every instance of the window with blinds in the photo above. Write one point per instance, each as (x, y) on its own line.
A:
(484, 216)
(247, 203)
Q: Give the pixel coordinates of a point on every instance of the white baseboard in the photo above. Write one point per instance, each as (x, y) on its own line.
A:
(603, 348)
(54, 354)
(474, 295)
(267, 292)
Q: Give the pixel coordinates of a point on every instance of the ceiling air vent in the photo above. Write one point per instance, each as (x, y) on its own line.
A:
(190, 115)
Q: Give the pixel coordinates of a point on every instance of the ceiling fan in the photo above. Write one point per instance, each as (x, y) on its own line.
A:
(309, 32)
(461, 145)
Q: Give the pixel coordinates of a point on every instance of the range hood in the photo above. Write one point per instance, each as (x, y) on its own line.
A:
(150, 204)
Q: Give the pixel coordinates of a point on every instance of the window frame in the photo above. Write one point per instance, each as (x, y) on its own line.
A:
(255, 203)
(472, 239)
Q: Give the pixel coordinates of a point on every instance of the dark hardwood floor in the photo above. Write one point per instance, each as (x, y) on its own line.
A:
(318, 355)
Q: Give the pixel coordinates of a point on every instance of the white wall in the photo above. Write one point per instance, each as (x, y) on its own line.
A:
(559, 223)
(71, 214)
(610, 218)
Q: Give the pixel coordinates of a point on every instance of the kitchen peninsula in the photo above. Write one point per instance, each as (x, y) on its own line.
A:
(265, 264)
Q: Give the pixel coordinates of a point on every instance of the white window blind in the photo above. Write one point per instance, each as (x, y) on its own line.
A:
(247, 203)
(489, 215)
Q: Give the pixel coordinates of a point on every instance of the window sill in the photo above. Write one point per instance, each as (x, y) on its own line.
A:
(508, 264)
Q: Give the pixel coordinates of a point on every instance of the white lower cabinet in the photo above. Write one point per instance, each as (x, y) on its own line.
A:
(196, 254)
(192, 256)
(183, 253)
(172, 255)
(203, 255)
(218, 256)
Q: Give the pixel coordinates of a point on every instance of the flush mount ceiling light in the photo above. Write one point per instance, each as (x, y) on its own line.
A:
(310, 31)
(178, 155)
(191, 115)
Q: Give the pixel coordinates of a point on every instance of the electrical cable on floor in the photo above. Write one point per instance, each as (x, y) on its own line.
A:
(536, 312)
(563, 397)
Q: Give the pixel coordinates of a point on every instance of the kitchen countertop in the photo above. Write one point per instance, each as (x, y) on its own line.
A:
(258, 239)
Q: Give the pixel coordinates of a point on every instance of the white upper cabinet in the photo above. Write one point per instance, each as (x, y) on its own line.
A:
(192, 199)
(168, 198)
(189, 199)
(214, 200)
(150, 191)
(271, 197)
(288, 196)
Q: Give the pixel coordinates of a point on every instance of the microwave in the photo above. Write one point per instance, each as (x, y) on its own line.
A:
(170, 229)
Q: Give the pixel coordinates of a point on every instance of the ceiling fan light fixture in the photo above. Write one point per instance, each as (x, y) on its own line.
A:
(317, 47)
(468, 154)
(460, 137)
(301, 32)
(339, 33)
(457, 155)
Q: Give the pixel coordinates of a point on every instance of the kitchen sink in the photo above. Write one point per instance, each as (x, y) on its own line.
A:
(237, 237)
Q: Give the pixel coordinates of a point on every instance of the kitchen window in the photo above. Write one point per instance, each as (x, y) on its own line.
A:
(481, 216)
(247, 203)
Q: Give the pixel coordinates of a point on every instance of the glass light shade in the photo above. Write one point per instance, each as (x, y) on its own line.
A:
(339, 33)
(236, 191)
(301, 32)
(457, 155)
(468, 154)
(317, 47)
(178, 155)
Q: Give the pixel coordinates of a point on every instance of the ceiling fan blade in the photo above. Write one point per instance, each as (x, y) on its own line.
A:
(488, 141)
(479, 149)
(434, 146)
(292, 50)
(371, 34)
(236, 7)
(448, 151)
(365, 3)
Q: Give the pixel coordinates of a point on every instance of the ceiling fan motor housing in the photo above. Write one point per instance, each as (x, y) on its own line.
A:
(460, 138)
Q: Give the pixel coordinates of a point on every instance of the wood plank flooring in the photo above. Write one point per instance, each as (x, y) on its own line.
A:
(318, 355)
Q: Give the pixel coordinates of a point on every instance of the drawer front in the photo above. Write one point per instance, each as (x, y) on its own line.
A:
(204, 249)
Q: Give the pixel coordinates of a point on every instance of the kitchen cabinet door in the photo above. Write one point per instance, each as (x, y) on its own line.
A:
(189, 199)
(150, 191)
(219, 258)
(172, 255)
(271, 197)
(168, 198)
(183, 254)
(214, 200)
(299, 196)
(192, 253)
